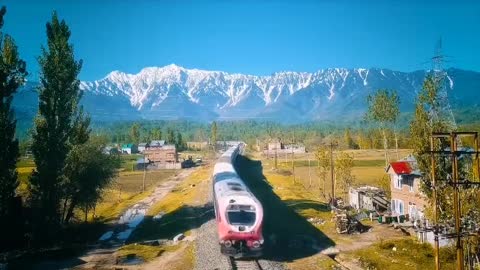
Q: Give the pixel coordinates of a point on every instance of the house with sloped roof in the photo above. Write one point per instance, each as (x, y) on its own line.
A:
(129, 148)
(407, 198)
(156, 143)
(142, 147)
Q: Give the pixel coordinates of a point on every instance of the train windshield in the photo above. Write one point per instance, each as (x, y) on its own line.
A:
(241, 217)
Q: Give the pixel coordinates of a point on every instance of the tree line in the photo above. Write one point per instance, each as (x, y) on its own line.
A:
(71, 169)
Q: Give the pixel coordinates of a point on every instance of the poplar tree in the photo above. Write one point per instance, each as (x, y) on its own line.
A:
(135, 133)
(383, 108)
(55, 124)
(12, 76)
(214, 136)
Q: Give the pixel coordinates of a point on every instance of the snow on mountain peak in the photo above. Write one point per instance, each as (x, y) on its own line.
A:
(153, 85)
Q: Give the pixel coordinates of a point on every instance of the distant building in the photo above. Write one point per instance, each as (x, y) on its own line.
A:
(164, 154)
(129, 148)
(142, 147)
(226, 144)
(295, 148)
(406, 196)
(110, 150)
(197, 145)
(277, 147)
(369, 198)
(157, 143)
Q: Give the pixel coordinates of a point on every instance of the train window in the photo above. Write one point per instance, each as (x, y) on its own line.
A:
(241, 217)
(235, 186)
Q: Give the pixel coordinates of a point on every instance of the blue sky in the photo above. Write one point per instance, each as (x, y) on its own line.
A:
(253, 37)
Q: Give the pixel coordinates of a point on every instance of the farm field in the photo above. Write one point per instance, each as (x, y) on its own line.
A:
(368, 169)
(370, 250)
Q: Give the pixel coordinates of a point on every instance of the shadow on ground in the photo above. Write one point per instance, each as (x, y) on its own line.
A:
(171, 224)
(288, 236)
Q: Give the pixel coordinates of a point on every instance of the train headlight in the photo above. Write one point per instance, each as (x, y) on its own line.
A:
(256, 244)
(227, 243)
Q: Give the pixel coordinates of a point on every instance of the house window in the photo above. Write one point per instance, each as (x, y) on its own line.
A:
(412, 211)
(398, 207)
(410, 182)
(397, 181)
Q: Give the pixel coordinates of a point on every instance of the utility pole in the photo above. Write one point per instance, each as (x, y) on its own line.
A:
(144, 172)
(293, 157)
(456, 183)
(332, 175)
(276, 157)
(436, 248)
(456, 201)
(309, 174)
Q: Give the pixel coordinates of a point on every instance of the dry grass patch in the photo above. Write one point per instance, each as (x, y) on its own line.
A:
(403, 254)
(126, 191)
(181, 209)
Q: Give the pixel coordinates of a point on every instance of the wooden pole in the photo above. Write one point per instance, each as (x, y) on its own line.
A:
(436, 247)
(456, 201)
(331, 171)
(293, 158)
(144, 173)
(309, 174)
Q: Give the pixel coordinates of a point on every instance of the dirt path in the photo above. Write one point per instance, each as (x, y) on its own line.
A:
(103, 255)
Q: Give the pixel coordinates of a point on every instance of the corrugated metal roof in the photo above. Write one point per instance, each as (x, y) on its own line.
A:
(401, 167)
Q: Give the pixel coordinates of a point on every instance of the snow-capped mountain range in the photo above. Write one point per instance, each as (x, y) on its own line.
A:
(174, 92)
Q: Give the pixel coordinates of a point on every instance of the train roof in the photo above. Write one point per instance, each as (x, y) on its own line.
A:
(233, 188)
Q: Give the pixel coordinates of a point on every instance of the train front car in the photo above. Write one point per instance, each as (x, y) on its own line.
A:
(239, 215)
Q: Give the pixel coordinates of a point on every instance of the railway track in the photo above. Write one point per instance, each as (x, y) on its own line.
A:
(244, 264)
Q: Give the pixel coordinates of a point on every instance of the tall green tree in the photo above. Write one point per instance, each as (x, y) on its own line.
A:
(135, 133)
(423, 124)
(322, 156)
(343, 173)
(180, 143)
(88, 172)
(213, 135)
(156, 134)
(12, 76)
(350, 144)
(171, 136)
(383, 109)
(59, 95)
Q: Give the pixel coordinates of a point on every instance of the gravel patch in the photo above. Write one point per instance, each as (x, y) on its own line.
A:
(207, 249)
(271, 265)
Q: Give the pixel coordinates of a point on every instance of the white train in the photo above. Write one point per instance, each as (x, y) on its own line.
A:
(239, 215)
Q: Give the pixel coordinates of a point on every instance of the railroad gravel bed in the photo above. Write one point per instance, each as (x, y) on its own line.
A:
(271, 265)
(207, 250)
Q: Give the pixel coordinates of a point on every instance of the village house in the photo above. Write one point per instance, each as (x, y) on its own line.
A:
(226, 144)
(279, 148)
(129, 148)
(368, 197)
(110, 150)
(165, 157)
(142, 147)
(275, 145)
(295, 148)
(197, 145)
(406, 197)
(156, 143)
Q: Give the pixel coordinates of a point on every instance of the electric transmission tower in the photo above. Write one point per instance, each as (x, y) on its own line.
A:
(440, 79)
